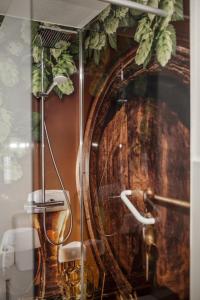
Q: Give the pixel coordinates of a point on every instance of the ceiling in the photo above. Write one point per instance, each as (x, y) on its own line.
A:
(72, 13)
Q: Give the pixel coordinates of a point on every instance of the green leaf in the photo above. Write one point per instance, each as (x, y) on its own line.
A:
(172, 30)
(164, 48)
(105, 13)
(67, 88)
(121, 12)
(111, 25)
(128, 21)
(154, 4)
(112, 38)
(36, 121)
(36, 82)
(144, 48)
(168, 6)
(36, 134)
(148, 59)
(37, 54)
(178, 14)
(143, 28)
(94, 40)
(97, 57)
(60, 47)
(58, 92)
(66, 64)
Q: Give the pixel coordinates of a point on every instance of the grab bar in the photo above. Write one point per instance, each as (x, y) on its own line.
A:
(133, 210)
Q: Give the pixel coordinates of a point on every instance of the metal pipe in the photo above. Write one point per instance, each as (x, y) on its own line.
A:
(175, 202)
(81, 129)
(149, 194)
(138, 6)
(42, 129)
(57, 202)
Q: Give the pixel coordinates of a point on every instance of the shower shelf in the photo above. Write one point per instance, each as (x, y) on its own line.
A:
(54, 202)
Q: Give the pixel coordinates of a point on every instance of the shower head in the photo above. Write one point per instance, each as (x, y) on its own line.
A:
(48, 36)
(58, 79)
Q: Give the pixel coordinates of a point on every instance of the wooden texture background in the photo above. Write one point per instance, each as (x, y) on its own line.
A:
(143, 143)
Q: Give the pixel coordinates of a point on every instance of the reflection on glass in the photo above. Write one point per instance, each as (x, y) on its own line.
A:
(19, 243)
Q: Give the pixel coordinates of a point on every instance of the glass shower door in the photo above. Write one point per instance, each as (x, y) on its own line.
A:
(19, 243)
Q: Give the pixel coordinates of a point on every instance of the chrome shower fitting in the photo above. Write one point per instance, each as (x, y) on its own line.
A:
(48, 37)
(59, 79)
(150, 195)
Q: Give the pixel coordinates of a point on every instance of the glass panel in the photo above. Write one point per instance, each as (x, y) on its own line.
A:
(19, 243)
(56, 135)
(94, 151)
(195, 145)
(136, 183)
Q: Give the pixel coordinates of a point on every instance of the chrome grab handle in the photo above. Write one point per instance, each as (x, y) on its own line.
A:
(146, 221)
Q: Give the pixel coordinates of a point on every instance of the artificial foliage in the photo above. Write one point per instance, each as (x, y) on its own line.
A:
(155, 35)
(57, 61)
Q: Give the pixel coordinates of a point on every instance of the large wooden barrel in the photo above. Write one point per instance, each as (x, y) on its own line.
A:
(137, 136)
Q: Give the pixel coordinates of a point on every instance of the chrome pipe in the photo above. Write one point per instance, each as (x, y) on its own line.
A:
(81, 132)
(176, 202)
(42, 129)
(137, 6)
(43, 132)
(149, 194)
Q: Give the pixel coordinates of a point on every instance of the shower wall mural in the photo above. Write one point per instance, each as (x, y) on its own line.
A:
(137, 138)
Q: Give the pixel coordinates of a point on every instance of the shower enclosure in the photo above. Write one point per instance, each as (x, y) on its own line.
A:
(99, 149)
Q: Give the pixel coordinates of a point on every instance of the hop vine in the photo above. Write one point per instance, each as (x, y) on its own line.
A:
(155, 35)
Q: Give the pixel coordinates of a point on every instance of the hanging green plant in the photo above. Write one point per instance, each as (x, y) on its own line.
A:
(57, 61)
(155, 35)
(103, 32)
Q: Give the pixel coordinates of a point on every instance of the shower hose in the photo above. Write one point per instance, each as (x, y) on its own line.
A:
(65, 195)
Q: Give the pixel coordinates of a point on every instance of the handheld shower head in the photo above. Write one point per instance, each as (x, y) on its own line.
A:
(58, 79)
